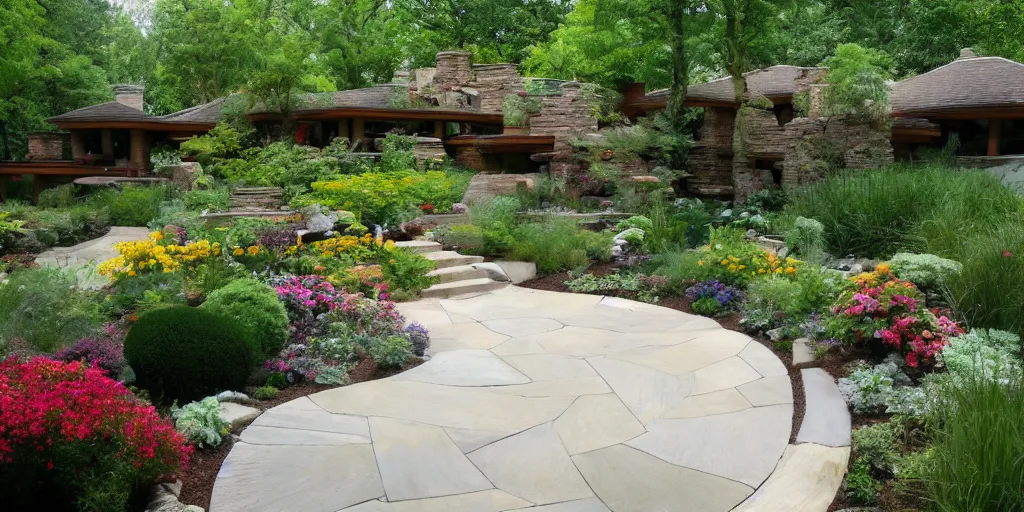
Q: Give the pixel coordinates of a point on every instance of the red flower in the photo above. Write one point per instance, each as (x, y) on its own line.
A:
(1007, 254)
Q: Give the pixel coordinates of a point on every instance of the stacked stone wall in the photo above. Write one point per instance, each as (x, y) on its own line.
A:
(710, 158)
(45, 146)
(453, 69)
(493, 82)
(565, 117)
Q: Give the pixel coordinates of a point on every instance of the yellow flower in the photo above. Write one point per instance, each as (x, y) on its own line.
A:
(254, 250)
(732, 268)
(131, 273)
(156, 235)
(238, 251)
(791, 270)
(700, 262)
(883, 268)
(724, 261)
(742, 267)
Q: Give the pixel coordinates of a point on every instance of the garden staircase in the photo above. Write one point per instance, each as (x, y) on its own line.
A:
(457, 274)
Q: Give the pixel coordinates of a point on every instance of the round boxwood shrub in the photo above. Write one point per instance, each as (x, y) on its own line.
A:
(256, 308)
(186, 353)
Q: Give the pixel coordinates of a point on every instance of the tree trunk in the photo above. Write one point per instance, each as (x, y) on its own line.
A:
(680, 64)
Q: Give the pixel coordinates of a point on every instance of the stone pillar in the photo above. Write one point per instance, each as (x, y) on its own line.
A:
(470, 157)
(139, 150)
(453, 69)
(77, 145)
(816, 91)
(107, 142)
(45, 146)
(129, 95)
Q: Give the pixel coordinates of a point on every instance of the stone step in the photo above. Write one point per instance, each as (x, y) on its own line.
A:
(453, 289)
(802, 353)
(826, 417)
(459, 273)
(806, 480)
(419, 246)
(445, 259)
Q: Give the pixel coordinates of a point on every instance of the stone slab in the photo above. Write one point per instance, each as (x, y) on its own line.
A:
(468, 439)
(532, 465)
(743, 446)
(573, 387)
(465, 368)
(768, 391)
(444, 406)
(762, 359)
(288, 436)
(550, 366)
(518, 327)
(725, 374)
(806, 480)
(419, 461)
(237, 415)
(709, 404)
(307, 478)
(802, 353)
(709, 348)
(584, 505)
(628, 480)
(318, 420)
(596, 421)
(457, 336)
(826, 418)
(484, 501)
(518, 271)
(518, 347)
(646, 392)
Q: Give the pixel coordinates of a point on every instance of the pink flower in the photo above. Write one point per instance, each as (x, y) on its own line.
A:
(1007, 254)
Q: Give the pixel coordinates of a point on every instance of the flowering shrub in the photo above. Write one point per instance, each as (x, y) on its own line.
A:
(731, 259)
(723, 294)
(892, 311)
(154, 256)
(105, 352)
(419, 337)
(71, 436)
(370, 265)
(307, 300)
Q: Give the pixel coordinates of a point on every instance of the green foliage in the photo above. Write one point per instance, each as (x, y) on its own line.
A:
(876, 445)
(516, 110)
(183, 353)
(496, 218)
(406, 272)
(861, 487)
(254, 307)
(223, 141)
(771, 302)
(200, 422)
(135, 205)
(707, 306)
(397, 153)
(215, 199)
(388, 198)
(558, 245)
(43, 308)
(266, 393)
(857, 84)
(636, 221)
(390, 351)
(58, 197)
(977, 447)
(465, 238)
(807, 239)
(981, 353)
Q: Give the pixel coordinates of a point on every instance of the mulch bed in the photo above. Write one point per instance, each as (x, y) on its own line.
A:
(197, 482)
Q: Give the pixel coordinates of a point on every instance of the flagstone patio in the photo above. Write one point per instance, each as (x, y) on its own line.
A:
(532, 400)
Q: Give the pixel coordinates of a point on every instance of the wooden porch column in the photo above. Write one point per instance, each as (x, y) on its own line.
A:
(139, 150)
(77, 145)
(343, 128)
(107, 142)
(359, 133)
(995, 128)
(439, 129)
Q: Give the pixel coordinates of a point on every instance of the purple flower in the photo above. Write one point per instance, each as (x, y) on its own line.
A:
(722, 293)
(106, 354)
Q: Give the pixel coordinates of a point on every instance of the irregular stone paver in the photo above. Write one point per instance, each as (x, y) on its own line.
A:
(768, 391)
(551, 366)
(532, 465)
(725, 374)
(307, 478)
(483, 501)
(79, 258)
(807, 479)
(802, 353)
(465, 368)
(419, 461)
(826, 418)
(596, 421)
(628, 480)
(743, 446)
(523, 326)
(584, 505)
(708, 404)
(237, 415)
(531, 400)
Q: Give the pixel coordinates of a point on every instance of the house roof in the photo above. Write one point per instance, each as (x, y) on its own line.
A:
(205, 113)
(116, 115)
(970, 85)
(772, 82)
(109, 111)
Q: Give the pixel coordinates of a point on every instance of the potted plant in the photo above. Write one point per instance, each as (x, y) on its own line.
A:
(516, 110)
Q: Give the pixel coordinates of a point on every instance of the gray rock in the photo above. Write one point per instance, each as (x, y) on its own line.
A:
(518, 271)
(493, 270)
(783, 252)
(775, 334)
(751, 233)
(164, 498)
(826, 418)
(237, 415)
(856, 268)
(233, 396)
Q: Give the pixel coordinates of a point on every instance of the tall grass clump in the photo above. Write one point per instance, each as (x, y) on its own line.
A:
(558, 245)
(878, 213)
(989, 289)
(976, 461)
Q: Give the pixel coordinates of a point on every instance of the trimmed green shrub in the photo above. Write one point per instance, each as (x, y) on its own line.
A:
(266, 393)
(182, 353)
(136, 205)
(390, 351)
(256, 309)
(876, 445)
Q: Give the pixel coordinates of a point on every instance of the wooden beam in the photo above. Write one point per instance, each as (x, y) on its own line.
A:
(995, 128)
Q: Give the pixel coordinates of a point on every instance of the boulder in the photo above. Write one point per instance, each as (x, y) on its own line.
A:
(183, 174)
(163, 497)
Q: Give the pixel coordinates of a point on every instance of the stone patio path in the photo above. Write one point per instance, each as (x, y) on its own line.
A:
(82, 257)
(538, 401)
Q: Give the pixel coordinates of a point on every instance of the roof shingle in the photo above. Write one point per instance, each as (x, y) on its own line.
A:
(962, 85)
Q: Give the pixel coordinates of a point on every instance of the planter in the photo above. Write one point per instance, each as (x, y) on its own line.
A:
(515, 130)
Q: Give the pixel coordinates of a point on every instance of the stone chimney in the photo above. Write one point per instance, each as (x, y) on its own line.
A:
(453, 69)
(967, 53)
(129, 95)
